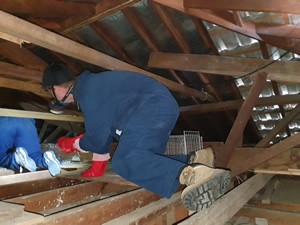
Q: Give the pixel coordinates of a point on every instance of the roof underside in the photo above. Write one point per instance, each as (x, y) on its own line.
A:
(147, 34)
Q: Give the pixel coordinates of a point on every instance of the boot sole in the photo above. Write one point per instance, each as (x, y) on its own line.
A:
(202, 196)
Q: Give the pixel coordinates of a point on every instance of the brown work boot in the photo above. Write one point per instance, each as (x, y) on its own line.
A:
(204, 186)
(204, 156)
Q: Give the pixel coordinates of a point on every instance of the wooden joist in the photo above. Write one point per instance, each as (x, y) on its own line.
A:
(225, 207)
(40, 115)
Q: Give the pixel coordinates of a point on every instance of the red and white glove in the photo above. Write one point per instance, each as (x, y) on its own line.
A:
(98, 167)
(67, 144)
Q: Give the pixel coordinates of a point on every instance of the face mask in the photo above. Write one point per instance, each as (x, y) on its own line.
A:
(57, 107)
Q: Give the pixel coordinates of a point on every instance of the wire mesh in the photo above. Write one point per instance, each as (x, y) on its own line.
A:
(184, 144)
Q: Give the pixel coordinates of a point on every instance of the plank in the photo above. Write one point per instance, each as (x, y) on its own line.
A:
(225, 207)
(236, 104)
(275, 6)
(152, 212)
(40, 115)
(285, 71)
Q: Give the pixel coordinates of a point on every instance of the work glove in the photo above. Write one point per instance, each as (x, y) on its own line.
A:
(97, 169)
(66, 144)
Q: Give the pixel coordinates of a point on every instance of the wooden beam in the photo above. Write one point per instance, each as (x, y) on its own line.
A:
(245, 159)
(20, 72)
(248, 29)
(225, 65)
(103, 9)
(279, 126)
(275, 6)
(55, 42)
(104, 210)
(228, 205)
(14, 214)
(24, 86)
(47, 9)
(272, 217)
(287, 43)
(278, 30)
(236, 104)
(40, 115)
(56, 200)
(243, 116)
(162, 211)
(284, 163)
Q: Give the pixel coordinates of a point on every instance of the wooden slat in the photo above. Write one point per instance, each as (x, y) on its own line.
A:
(40, 115)
(275, 6)
(55, 42)
(225, 207)
(225, 65)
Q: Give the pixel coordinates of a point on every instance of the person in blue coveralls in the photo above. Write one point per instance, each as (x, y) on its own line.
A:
(20, 147)
(140, 113)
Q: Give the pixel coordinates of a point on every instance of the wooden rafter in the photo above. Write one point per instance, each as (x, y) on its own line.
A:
(55, 42)
(237, 130)
(236, 104)
(103, 9)
(224, 65)
(276, 6)
(47, 9)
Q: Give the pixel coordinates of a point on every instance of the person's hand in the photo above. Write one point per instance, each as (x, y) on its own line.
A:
(66, 144)
(97, 169)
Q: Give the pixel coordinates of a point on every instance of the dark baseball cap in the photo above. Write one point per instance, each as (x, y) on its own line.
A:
(56, 74)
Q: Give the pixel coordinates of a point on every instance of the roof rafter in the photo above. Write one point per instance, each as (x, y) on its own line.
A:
(277, 6)
(225, 65)
(55, 42)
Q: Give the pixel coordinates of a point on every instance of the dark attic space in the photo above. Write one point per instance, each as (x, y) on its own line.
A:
(153, 112)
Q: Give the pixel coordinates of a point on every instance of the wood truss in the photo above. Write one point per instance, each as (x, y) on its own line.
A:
(69, 198)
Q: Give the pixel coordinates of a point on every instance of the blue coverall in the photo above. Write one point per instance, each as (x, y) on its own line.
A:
(140, 113)
(19, 132)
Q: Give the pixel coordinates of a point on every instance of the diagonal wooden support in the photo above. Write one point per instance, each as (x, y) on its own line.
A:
(237, 130)
(281, 125)
(245, 159)
(228, 205)
(50, 40)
